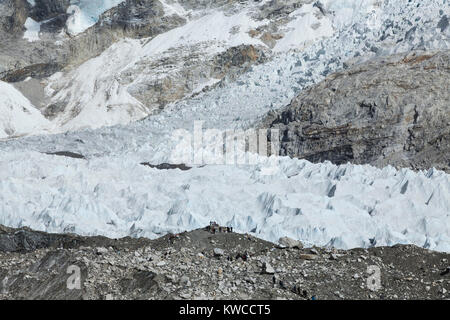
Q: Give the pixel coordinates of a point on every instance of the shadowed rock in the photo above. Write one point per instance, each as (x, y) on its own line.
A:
(67, 154)
(167, 166)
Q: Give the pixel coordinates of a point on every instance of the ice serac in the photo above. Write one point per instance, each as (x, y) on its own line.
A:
(91, 181)
(85, 13)
(116, 196)
(392, 110)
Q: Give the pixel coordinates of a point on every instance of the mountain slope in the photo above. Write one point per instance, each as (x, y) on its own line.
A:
(394, 110)
(18, 116)
(177, 49)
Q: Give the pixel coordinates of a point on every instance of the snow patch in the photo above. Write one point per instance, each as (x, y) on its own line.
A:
(32, 30)
(97, 96)
(173, 8)
(17, 115)
(220, 31)
(307, 26)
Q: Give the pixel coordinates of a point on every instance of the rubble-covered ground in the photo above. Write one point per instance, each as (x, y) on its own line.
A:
(202, 265)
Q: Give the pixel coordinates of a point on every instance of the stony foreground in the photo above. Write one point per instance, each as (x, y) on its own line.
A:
(202, 265)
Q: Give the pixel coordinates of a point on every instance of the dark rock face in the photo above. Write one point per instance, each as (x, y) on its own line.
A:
(53, 279)
(27, 240)
(139, 284)
(237, 60)
(443, 23)
(276, 8)
(138, 19)
(68, 154)
(132, 18)
(167, 166)
(38, 70)
(49, 9)
(55, 24)
(390, 111)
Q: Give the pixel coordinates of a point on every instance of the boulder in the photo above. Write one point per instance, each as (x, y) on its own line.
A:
(290, 243)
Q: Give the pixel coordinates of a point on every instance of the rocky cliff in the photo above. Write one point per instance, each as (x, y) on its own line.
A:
(155, 71)
(388, 111)
(56, 48)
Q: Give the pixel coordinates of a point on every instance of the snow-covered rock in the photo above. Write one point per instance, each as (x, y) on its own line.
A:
(32, 32)
(318, 39)
(17, 115)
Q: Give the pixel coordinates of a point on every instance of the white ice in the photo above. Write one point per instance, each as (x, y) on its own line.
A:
(85, 13)
(110, 193)
(32, 30)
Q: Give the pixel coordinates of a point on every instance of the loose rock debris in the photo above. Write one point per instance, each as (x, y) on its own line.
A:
(204, 265)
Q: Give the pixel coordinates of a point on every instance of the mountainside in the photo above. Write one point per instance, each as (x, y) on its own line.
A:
(393, 110)
(163, 52)
(105, 63)
(98, 137)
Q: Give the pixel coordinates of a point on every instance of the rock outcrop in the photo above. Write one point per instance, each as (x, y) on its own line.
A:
(13, 14)
(44, 10)
(56, 49)
(388, 111)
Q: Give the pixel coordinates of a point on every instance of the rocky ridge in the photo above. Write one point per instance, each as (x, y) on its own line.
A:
(172, 77)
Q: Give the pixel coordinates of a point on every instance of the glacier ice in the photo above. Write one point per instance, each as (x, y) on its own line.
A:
(111, 194)
(116, 196)
(32, 30)
(85, 13)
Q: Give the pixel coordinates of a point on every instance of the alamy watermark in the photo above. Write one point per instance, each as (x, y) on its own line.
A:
(74, 280)
(227, 147)
(374, 278)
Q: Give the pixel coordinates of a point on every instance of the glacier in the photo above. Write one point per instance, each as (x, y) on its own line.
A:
(116, 197)
(109, 193)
